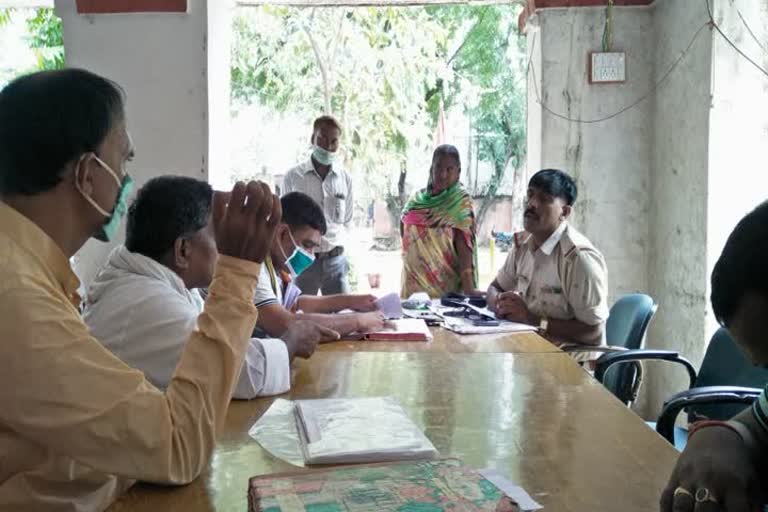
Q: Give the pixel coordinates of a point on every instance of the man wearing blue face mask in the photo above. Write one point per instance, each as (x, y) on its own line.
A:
(322, 178)
(281, 302)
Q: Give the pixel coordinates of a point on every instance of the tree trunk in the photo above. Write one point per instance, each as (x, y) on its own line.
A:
(323, 67)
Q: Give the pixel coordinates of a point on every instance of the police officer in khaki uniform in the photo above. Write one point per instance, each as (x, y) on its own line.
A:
(553, 278)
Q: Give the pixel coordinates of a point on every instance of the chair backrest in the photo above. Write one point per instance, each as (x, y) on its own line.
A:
(627, 323)
(725, 364)
(628, 320)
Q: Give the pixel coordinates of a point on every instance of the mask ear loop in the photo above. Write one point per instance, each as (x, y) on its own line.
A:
(82, 192)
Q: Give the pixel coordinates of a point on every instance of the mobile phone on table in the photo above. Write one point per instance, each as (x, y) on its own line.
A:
(485, 322)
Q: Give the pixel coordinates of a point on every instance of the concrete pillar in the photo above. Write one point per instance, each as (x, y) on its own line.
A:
(678, 214)
(176, 78)
(608, 159)
(664, 183)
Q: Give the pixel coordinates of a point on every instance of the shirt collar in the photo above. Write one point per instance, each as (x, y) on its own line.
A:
(309, 166)
(39, 245)
(549, 246)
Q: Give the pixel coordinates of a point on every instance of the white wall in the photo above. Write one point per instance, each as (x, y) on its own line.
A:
(161, 60)
(738, 128)
(610, 159)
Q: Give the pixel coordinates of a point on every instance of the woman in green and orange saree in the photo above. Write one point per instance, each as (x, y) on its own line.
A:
(438, 233)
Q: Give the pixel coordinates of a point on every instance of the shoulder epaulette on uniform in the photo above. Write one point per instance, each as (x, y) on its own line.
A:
(573, 242)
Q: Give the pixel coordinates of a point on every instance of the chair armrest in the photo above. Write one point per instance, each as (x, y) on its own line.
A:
(705, 395)
(586, 348)
(610, 359)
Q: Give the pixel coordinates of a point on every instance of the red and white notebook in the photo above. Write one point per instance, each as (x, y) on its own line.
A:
(404, 329)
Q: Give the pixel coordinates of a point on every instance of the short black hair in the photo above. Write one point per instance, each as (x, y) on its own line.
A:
(446, 150)
(555, 183)
(49, 119)
(325, 121)
(741, 267)
(300, 210)
(166, 208)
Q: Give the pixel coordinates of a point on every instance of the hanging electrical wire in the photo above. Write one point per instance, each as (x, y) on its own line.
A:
(667, 73)
(733, 45)
(608, 27)
(607, 42)
(749, 29)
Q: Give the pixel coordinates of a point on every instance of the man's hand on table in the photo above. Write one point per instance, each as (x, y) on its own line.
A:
(511, 306)
(302, 337)
(715, 473)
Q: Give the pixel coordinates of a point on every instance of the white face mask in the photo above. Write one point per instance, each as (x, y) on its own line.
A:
(323, 156)
(108, 230)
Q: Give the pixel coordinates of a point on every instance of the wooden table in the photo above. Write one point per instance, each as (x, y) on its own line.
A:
(448, 341)
(539, 418)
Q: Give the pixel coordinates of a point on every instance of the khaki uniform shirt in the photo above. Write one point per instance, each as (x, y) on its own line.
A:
(566, 278)
(77, 425)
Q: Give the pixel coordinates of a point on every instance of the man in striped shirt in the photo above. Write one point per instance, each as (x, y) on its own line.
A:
(723, 465)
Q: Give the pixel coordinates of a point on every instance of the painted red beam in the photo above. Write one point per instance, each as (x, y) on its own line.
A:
(532, 5)
(124, 6)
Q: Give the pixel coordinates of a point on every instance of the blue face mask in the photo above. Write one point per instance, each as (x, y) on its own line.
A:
(299, 260)
(323, 156)
(108, 230)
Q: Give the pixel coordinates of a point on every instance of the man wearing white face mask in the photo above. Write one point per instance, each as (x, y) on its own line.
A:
(322, 179)
(280, 302)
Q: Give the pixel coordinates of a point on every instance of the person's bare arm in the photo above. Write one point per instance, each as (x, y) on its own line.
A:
(274, 319)
(335, 303)
(718, 459)
(494, 290)
(572, 330)
(760, 434)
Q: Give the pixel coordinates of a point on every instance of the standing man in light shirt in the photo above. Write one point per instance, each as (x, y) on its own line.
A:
(331, 187)
(77, 425)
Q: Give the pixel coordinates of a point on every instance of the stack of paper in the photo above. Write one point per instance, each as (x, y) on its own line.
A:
(464, 326)
(354, 430)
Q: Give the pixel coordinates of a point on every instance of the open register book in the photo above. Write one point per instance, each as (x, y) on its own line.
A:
(404, 329)
(438, 485)
(354, 430)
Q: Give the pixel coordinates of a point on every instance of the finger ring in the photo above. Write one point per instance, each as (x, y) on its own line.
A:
(681, 491)
(703, 495)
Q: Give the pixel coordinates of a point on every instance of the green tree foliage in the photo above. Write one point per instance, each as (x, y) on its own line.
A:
(5, 16)
(384, 72)
(46, 38)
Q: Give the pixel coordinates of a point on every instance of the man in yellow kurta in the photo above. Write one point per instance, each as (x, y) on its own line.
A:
(78, 426)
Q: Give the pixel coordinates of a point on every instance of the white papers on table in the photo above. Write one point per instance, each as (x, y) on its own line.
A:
(404, 329)
(463, 326)
(356, 430)
(518, 494)
(390, 305)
